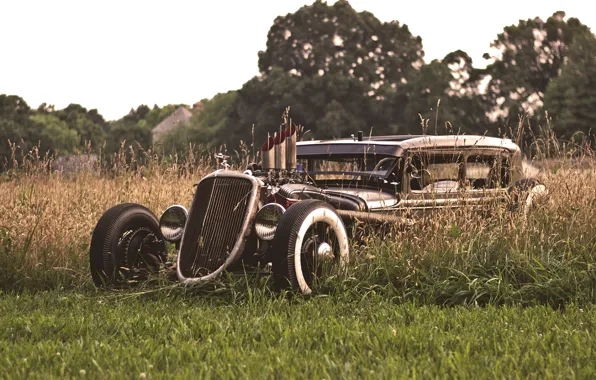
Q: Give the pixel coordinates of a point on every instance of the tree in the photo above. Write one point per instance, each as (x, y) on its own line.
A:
(135, 127)
(526, 58)
(570, 98)
(338, 40)
(210, 125)
(262, 101)
(89, 126)
(330, 64)
(442, 96)
(16, 126)
(337, 121)
(56, 136)
(132, 134)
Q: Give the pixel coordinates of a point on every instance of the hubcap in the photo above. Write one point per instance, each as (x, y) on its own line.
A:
(324, 252)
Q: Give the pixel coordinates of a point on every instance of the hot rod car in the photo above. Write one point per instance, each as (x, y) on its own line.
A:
(292, 211)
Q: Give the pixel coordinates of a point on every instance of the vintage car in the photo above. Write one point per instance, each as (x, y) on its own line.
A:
(292, 212)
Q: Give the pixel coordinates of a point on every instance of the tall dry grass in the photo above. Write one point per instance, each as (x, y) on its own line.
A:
(468, 256)
(493, 255)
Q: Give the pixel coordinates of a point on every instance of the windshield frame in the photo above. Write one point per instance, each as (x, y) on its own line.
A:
(365, 175)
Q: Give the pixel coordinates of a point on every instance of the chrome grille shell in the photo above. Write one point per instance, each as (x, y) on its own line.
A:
(218, 225)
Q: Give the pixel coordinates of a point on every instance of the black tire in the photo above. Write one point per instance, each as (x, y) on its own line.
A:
(285, 271)
(126, 246)
(519, 192)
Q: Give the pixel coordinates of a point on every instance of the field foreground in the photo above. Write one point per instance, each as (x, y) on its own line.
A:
(489, 293)
(69, 334)
(491, 256)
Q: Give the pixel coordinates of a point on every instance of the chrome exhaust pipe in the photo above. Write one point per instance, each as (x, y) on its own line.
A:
(279, 147)
(290, 135)
(268, 154)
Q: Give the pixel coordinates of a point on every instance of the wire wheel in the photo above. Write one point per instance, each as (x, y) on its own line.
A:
(126, 247)
(310, 244)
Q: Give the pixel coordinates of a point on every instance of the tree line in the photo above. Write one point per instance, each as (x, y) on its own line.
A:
(342, 71)
(72, 129)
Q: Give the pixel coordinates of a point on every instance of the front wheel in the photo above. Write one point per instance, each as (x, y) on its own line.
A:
(310, 242)
(126, 246)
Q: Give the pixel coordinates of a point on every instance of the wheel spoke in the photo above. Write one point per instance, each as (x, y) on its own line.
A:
(318, 252)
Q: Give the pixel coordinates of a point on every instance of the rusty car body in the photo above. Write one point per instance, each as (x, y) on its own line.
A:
(291, 212)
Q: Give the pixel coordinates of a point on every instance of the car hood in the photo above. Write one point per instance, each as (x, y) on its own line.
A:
(375, 199)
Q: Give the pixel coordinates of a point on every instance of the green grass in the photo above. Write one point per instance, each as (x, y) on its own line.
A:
(170, 333)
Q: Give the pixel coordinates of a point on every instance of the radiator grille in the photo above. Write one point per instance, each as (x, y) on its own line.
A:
(216, 225)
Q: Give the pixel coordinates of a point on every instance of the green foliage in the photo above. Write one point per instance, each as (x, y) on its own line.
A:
(571, 97)
(154, 116)
(56, 136)
(445, 93)
(211, 123)
(134, 129)
(322, 104)
(338, 40)
(337, 121)
(528, 56)
(333, 66)
(16, 127)
(209, 126)
(62, 131)
(178, 140)
(129, 134)
(88, 125)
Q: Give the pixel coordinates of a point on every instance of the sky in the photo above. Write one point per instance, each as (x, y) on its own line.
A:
(116, 55)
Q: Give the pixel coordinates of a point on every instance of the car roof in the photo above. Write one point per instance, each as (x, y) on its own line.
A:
(395, 145)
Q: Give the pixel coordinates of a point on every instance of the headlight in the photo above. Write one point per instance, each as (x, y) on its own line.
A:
(172, 223)
(266, 220)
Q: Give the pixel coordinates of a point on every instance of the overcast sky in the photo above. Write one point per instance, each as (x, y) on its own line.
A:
(114, 55)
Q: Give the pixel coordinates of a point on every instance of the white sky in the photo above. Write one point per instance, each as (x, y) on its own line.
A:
(115, 55)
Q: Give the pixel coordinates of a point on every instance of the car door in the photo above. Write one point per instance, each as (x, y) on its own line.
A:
(487, 176)
(432, 181)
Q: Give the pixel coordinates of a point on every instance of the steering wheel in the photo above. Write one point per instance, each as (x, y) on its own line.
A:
(384, 160)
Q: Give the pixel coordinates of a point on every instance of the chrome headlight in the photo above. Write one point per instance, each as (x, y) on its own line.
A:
(266, 220)
(172, 223)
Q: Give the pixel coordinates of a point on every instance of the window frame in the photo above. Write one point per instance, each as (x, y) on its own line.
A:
(463, 156)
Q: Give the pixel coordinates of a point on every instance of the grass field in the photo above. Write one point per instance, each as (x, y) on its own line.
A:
(464, 294)
(71, 334)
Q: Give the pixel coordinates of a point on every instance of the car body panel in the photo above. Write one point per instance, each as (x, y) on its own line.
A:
(402, 198)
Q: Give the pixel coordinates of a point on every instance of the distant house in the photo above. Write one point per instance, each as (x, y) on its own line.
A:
(75, 163)
(181, 115)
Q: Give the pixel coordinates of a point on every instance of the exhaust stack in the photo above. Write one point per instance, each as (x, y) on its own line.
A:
(290, 135)
(279, 148)
(268, 154)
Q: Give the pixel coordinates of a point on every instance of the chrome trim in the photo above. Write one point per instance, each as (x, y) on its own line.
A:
(279, 148)
(274, 208)
(183, 227)
(240, 242)
(291, 139)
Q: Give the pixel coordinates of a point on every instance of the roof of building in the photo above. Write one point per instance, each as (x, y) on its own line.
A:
(181, 115)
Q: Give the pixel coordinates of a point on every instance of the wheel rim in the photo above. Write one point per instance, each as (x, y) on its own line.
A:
(535, 192)
(138, 254)
(321, 245)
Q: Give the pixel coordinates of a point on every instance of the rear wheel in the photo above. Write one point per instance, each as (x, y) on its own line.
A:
(310, 243)
(126, 246)
(525, 192)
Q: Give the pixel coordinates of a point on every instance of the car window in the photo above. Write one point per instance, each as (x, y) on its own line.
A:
(439, 172)
(487, 171)
(352, 167)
